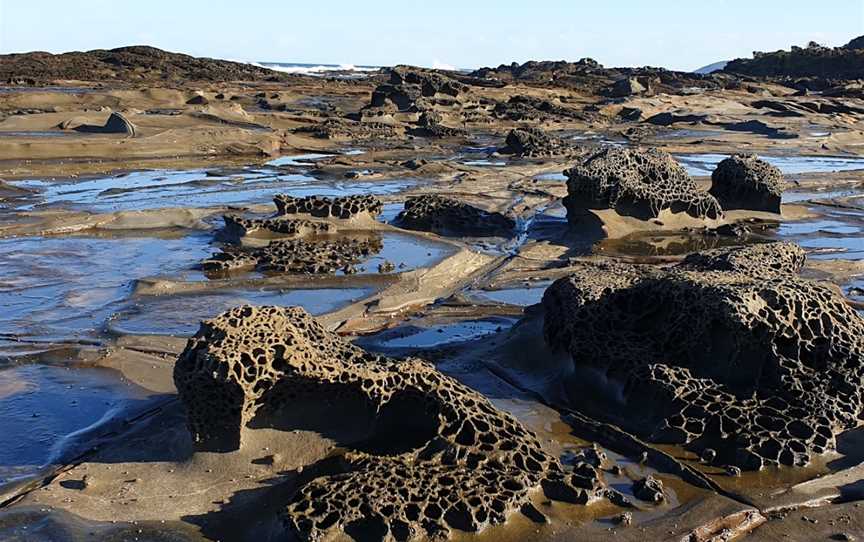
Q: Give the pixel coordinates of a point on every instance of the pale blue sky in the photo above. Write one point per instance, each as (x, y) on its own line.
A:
(679, 34)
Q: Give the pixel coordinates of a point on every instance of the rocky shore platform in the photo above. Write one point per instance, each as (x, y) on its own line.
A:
(546, 301)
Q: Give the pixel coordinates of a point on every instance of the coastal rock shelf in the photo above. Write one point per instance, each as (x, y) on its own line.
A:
(730, 352)
(438, 456)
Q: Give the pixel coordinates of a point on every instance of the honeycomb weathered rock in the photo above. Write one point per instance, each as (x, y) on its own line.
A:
(295, 256)
(745, 358)
(447, 216)
(762, 260)
(534, 142)
(636, 182)
(464, 465)
(743, 181)
(237, 226)
(323, 207)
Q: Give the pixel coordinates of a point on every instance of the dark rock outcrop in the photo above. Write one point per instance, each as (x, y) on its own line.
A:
(301, 256)
(743, 181)
(134, 64)
(346, 129)
(322, 207)
(635, 182)
(238, 226)
(533, 143)
(740, 357)
(814, 60)
(439, 455)
(116, 124)
(414, 89)
(447, 216)
(531, 108)
(629, 86)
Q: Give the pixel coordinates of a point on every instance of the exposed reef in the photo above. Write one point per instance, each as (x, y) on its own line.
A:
(440, 456)
(448, 216)
(845, 62)
(728, 352)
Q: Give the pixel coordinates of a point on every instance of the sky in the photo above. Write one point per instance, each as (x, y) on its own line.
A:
(676, 34)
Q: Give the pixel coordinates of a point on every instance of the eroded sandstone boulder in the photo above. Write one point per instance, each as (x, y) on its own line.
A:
(533, 143)
(743, 181)
(311, 257)
(448, 216)
(322, 207)
(440, 455)
(719, 353)
(238, 226)
(635, 182)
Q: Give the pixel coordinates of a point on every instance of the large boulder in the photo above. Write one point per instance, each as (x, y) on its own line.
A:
(533, 142)
(629, 86)
(635, 182)
(734, 353)
(743, 181)
(433, 454)
(447, 216)
(115, 124)
(411, 89)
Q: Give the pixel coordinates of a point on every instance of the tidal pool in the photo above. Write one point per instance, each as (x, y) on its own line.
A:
(190, 188)
(47, 412)
(704, 164)
(64, 288)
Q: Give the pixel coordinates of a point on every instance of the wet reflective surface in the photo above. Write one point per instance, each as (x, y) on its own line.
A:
(42, 407)
(196, 188)
(704, 164)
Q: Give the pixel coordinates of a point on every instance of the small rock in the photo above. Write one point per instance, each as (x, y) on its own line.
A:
(732, 470)
(649, 489)
(624, 519)
(708, 455)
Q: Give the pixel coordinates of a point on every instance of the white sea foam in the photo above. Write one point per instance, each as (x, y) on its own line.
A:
(314, 69)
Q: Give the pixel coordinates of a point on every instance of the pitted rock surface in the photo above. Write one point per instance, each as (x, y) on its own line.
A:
(413, 90)
(472, 467)
(636, 182)
(323, 207)
(743, 181)
(447, 216)
(431, 124)
(763, 260)
(348, 129)
(311, 257)
(534, 142)
(763, 369)
(531, 108)
(238, 226)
